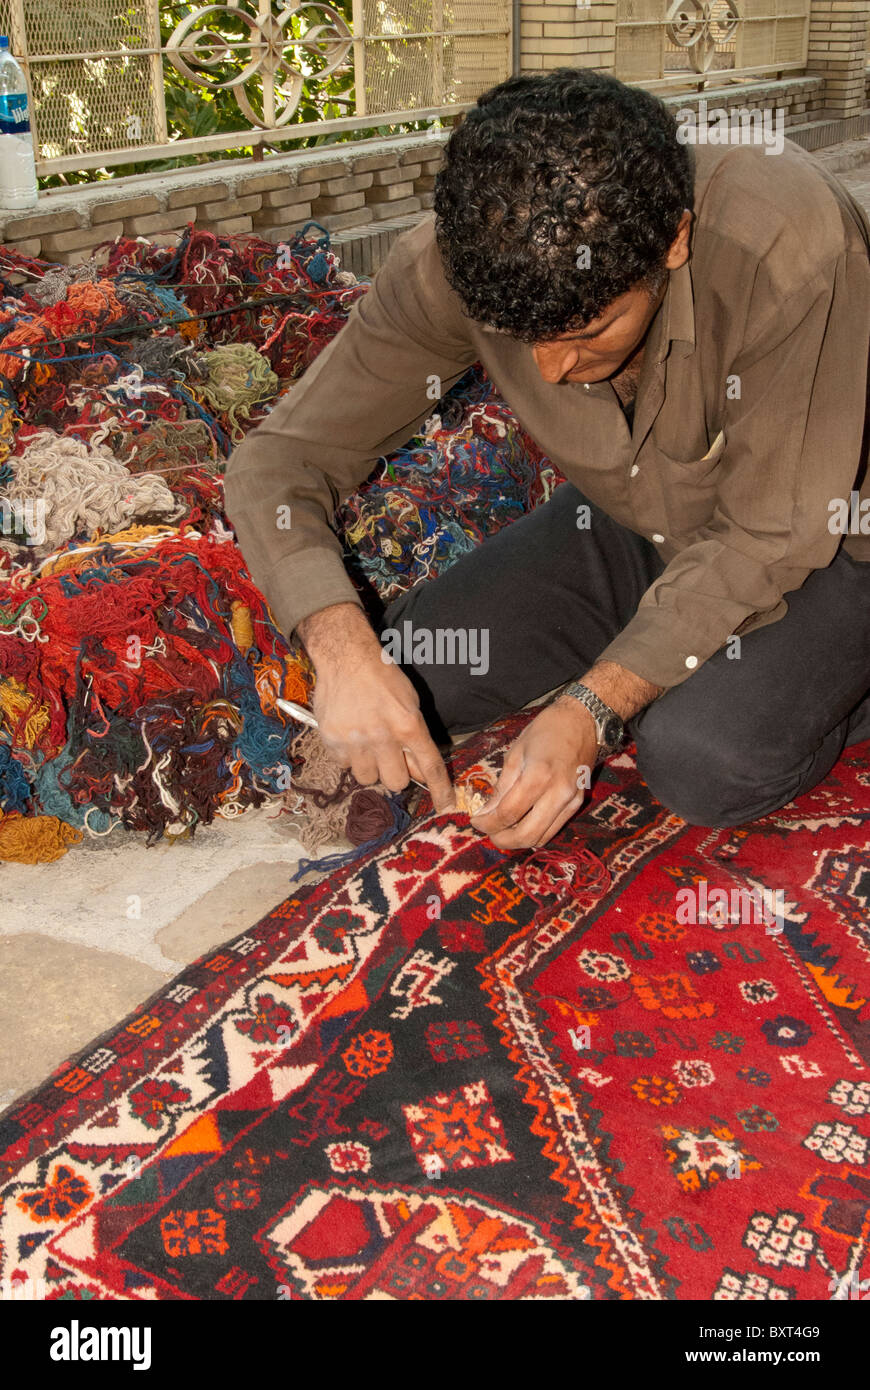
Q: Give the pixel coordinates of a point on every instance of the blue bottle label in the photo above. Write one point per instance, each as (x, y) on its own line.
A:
(14, 119)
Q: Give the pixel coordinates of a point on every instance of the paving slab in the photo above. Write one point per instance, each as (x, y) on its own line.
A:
(56, 997)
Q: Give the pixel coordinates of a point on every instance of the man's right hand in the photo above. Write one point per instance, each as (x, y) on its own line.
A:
(367, 709)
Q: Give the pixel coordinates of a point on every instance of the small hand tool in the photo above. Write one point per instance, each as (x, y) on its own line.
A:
(300, 712)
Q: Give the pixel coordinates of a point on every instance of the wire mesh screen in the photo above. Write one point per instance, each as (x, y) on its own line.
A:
(108, 94)
(727, 36)
(420, 53)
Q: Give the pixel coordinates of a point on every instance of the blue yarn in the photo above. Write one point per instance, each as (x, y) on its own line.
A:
(439, 508)
(262, 741)
(302, 235)
(318, 267)
(169, 267)
(169, 300)
(315, 264)
(15, 789)
(328, 864)
(55, 801)
(53, 361)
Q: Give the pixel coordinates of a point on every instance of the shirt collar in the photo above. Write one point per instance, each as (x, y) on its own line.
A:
(675, 321)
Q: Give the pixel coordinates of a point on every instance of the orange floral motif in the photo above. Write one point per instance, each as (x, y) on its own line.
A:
(368, 1054)
(657, 926)
(194, 1233)
(702, 1157)
(658, 1090)
(460, 1126)
(674, 995)
(59, 1199)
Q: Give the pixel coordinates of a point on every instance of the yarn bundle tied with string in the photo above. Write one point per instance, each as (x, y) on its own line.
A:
(139, 665)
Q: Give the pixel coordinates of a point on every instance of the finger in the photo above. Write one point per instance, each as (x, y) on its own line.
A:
(428, 765)
(511, 769)
(364, 767)
(392, 766)
(510, 774)
(527, 788)
(527, 832)
(411, 764)
(561, 819)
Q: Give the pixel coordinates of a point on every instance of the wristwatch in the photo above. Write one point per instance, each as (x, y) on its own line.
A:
(608, 725)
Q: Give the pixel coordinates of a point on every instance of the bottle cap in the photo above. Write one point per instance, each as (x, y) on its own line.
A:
(4, 42)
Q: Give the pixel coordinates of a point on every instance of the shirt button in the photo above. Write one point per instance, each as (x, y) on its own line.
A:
(586, 386)
(634, 470)
(657, 538)
(691, 662)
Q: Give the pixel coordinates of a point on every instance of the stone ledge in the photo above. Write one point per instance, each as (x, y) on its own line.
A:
(234, 178)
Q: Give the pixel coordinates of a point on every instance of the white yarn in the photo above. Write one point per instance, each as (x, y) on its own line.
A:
(81, 489)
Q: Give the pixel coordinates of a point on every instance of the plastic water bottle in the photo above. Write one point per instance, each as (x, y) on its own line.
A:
(18, 186)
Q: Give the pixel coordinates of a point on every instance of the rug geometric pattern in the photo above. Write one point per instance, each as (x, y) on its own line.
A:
(433, 1077)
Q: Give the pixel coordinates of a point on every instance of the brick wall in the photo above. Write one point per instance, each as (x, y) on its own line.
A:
(837, 50)
(801, 99)
(553, 35)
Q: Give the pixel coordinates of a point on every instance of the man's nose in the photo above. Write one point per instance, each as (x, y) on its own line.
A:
(554, 360)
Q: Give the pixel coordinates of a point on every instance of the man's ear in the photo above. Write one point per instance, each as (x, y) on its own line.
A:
(679, 249)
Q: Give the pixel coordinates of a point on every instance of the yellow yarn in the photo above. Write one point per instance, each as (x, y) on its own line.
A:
(35, 839)
(238, 377)
(15, 701)
(68, 559)
(133, 534)
(242, 626)
(9, 422)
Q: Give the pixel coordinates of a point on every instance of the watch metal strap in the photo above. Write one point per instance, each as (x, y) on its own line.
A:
(595, 705)
(600, 711)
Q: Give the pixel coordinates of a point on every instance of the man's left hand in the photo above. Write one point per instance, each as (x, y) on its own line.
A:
(542, 783)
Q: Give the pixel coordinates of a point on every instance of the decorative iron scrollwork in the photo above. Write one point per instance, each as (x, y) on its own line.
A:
(315, 33)
(702, 26)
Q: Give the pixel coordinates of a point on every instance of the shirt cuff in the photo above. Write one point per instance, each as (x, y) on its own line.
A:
(306, 583)
(657, 647)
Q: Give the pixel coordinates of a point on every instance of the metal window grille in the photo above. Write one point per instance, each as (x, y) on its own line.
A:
(95, 68)
(422, 53)
(94, 73)
(674, 42)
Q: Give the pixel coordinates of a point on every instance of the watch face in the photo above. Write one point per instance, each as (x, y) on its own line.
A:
(612, 731)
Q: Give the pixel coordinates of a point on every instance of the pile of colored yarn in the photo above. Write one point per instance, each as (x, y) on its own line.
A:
(470, 474)
(139, 665)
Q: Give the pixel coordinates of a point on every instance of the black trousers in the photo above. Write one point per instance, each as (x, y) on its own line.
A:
(737, 740)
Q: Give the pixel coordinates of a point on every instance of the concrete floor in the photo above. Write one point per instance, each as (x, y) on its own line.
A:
(87, 939)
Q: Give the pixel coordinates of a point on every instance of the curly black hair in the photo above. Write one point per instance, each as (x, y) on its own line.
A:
(543, 167)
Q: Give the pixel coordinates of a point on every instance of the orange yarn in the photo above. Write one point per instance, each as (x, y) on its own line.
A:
(87, 306)
(191, 328)
(280, 677)
(35, 839)
(296, 686)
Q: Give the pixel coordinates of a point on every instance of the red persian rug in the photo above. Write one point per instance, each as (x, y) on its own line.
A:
(451, 1073)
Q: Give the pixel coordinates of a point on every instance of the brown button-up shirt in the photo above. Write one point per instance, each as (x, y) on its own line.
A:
(748, 421)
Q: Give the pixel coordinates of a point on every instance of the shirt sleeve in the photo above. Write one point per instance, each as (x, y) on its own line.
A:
(793, 443)
(405, 343)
